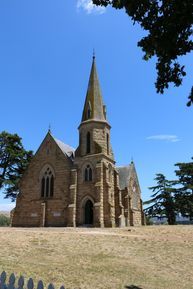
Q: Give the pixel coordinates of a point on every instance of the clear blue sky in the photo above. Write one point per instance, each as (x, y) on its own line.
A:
(45, 58)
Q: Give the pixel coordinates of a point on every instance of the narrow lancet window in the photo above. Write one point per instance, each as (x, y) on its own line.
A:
(47, 187)
(47, 183)
(52, 186)
(89, 111)
(43, 187)
(88, 174)
(88, 142)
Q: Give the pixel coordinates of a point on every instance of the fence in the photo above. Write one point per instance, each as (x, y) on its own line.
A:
(11, 283)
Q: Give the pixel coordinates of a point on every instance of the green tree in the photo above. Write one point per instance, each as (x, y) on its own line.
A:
(184, 192)
(4, 221)
(14, 159)
(162, 200)
(168, 24)
(190, 98)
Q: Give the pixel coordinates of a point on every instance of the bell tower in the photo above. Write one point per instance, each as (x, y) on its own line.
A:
(93, 158)
(94, 129)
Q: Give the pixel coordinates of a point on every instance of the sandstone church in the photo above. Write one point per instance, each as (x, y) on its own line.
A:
(83, 187)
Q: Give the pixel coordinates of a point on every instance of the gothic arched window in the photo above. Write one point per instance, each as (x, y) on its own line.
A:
(47, 183)
(88, 174)
(88, 142)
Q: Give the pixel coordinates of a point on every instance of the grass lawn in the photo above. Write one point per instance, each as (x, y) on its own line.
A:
(151, 257)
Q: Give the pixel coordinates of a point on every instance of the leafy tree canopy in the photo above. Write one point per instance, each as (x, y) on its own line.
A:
(162, 200)
(184, 191)
(169, 26)
(4, 221)
(171, 197)
(185, 176)
(14, 159)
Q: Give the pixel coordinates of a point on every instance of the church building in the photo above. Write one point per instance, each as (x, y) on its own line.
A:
(83, 187)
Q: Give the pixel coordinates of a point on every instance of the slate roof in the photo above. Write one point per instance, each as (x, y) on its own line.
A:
(66, 149)
(124, 175)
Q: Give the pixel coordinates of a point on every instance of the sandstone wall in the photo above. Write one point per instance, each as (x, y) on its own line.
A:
(31, 208)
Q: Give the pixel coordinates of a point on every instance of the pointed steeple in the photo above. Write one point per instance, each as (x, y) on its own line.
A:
(94, 107)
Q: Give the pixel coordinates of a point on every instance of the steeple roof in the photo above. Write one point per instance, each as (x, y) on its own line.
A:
(94, 107)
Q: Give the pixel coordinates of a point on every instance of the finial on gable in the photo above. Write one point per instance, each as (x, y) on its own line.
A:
(49, 128)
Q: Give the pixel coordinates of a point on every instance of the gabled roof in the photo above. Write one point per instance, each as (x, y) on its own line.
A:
(66, 149)
(124, 175)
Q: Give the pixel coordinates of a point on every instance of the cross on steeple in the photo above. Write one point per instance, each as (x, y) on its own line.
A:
(93, 54)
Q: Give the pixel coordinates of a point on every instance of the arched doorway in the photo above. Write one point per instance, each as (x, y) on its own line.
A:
(88, 213)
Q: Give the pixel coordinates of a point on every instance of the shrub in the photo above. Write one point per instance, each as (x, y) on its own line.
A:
(148, 220)
(4, 221)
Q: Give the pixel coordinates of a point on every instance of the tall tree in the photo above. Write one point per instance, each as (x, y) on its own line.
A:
(184, 191)
(190, 98)
(14, 159)
(162, 200)
(169, 27)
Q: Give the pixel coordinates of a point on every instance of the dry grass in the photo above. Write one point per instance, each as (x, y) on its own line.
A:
(149, 257)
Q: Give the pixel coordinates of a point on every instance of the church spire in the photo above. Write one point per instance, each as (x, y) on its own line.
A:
(93, 107)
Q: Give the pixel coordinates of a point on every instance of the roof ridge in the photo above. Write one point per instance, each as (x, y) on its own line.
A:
(58, 140)
(65, 148)
(126, 166)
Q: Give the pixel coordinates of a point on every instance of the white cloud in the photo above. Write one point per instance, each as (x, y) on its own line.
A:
(164, 137)
(89, 7)
(7, 207)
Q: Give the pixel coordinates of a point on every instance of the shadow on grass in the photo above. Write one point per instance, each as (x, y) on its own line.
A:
(132, 287)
